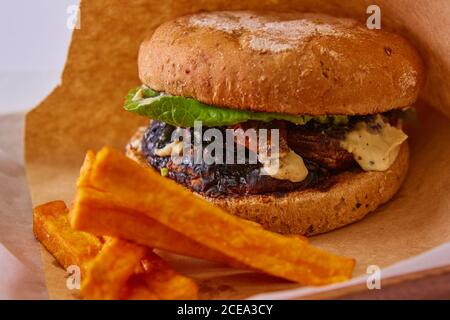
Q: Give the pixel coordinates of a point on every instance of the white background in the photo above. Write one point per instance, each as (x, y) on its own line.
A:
(34, 39)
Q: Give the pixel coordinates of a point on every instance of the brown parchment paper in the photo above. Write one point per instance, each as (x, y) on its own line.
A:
(85, 111)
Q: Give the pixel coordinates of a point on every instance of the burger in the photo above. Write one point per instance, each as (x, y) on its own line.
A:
(332, 94)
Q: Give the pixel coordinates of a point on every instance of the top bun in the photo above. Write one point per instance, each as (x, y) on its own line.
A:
(296, 63)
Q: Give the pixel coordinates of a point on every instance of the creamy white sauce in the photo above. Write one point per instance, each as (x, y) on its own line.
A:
(374, 150)
(173, 148)
(288, 166)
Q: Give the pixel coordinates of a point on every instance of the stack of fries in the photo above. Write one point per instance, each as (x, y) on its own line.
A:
(137, 210)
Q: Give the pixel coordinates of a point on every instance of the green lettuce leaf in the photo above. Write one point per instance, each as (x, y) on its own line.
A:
(183, 112)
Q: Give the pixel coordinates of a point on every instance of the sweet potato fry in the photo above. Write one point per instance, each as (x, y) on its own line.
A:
(83, 182)
(160, 279)
(146, 193)
(52, 228)
(106, 214)
(86, 168)
(123, 270)
(126, 224)
(108, 273)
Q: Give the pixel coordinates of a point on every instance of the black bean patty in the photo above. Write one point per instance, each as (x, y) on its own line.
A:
(319, 148)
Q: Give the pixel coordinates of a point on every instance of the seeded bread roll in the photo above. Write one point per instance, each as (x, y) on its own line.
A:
(310, 212)
(296, 63)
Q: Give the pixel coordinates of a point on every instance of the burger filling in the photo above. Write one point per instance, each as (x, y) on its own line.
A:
(310, 151)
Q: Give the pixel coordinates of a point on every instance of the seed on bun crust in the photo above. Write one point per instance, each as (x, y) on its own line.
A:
(295, 63)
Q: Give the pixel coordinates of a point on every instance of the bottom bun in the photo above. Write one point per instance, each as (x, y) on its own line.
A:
(309, 212)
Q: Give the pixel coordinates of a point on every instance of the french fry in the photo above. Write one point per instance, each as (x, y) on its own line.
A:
(159, 278)
(133, 272)
(146, 193)
(86, 169)
(83, 182)
(123, 270)
(116, 221)
(70, 247)
(126, 224)
(108, 273)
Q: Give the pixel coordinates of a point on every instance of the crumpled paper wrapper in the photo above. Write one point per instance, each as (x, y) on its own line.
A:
(22, 275)
(85, 112)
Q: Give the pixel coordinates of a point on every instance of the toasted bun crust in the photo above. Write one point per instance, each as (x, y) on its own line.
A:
(295, 63)
(310, 212)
